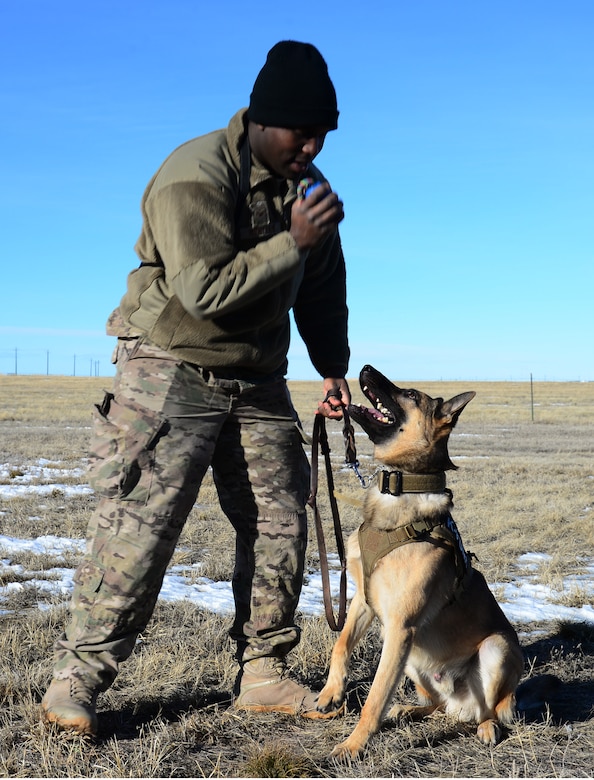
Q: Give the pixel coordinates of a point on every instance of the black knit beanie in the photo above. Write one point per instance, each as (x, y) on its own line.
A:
(293, 89)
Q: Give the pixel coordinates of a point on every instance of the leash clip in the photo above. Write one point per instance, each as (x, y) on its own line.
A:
(360, 477)
(365, 481)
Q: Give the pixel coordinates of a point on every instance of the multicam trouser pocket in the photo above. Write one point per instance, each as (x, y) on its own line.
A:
(122, 454)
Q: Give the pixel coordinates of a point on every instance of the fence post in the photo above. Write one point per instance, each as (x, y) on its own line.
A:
(531, 398)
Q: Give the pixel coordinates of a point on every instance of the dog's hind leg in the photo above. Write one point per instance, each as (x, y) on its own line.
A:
(358, 621)
(500, 665)
(414, 711)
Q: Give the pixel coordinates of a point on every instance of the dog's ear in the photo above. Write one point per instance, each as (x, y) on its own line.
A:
(451, 410)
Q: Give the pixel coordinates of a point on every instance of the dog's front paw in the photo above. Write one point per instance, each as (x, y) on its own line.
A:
(347, 751)
(489, 732)
(326, 714)
(330, 700)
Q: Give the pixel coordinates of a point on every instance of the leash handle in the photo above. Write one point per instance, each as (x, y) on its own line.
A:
(348, 431)
(320, 442)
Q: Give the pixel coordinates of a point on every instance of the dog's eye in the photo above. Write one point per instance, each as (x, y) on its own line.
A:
(411, 394)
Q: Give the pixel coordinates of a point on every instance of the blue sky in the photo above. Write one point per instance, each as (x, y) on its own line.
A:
(464, 157)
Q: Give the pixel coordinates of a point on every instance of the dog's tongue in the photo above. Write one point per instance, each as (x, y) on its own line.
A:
(370, 411)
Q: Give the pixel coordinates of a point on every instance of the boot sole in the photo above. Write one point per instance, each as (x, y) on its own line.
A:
(82, 727)
(288, 710)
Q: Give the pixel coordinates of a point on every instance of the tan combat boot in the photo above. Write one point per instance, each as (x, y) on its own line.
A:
(265, 687)
(70, 703)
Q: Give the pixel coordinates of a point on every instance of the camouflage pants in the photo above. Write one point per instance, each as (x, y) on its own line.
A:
(155, 436)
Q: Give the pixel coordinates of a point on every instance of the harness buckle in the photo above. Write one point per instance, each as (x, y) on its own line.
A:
(412, 532)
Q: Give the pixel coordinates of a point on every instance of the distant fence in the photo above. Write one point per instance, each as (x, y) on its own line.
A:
(36, 361)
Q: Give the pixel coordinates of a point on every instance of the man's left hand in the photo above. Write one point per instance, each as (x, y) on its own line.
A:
(336, 395)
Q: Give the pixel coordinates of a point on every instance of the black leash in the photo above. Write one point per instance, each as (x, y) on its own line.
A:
(320, 442)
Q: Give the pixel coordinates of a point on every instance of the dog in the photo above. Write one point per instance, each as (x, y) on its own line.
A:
(441, 625)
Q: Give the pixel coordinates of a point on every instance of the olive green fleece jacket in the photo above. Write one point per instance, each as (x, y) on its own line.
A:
(214, 288)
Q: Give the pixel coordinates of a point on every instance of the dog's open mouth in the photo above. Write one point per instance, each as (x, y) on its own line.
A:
(383, 414)
(378, 412)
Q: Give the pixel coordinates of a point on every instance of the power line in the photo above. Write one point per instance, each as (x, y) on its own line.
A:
(18, 361)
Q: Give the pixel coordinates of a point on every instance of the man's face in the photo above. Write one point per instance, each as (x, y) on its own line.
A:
(287, 152)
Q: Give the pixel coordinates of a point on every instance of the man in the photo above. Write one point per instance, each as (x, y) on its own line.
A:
(227, 249)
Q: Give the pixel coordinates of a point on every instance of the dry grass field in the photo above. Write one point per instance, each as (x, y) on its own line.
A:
(525, 484)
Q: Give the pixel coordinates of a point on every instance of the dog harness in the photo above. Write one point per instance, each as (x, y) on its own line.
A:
(441, 530)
